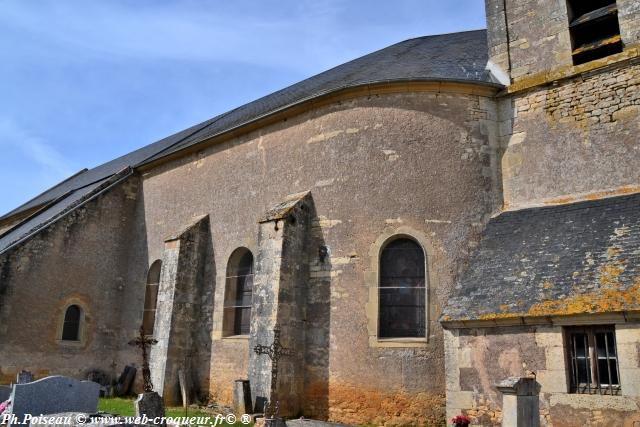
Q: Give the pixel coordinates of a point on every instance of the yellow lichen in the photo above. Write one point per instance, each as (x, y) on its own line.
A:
(608, 273)
(613, 251)
(610, 299)
(547, 285)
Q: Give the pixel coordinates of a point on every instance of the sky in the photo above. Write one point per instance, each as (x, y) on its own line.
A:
(83, 82)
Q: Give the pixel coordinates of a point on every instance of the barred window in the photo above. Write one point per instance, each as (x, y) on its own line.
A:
(71, 326)
(238, 293)
(593, 360)
(594, 29)
(151, 297)
(402, 290)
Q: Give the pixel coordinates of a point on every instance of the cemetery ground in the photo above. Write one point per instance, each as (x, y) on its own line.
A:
(124, 406)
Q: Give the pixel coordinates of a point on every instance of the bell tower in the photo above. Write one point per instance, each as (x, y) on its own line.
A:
(571, 107)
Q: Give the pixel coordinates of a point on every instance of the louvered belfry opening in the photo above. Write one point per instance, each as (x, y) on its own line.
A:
(594, 29)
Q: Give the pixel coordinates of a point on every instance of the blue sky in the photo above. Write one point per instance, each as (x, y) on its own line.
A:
(83, 82)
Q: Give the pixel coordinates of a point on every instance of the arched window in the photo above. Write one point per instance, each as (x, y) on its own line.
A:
(151, 297)
(71, 326)
(402, 290)
(238, 292)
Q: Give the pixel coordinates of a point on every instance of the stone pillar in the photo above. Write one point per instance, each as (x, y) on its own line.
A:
(179, 295)
(279, 295)
(242, 397)
(520, 402)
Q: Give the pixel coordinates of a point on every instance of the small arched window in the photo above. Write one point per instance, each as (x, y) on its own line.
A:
(71, 326)
(238, 293)
(402, 290)
(151, 297)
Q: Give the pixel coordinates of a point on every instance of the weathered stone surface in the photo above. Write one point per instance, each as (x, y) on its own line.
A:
(429, 159)
(520, 402)
(242, 403)
(574, 141)
(55, 394)
(98, 244)
(345, 173)
(279, 297)
(183, 321)
(149, 404)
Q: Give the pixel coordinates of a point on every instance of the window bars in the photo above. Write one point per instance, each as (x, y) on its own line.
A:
(402, 291)
(593, 360)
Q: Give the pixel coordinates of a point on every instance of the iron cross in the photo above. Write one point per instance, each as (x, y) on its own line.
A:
(143, 342)
(273, 352)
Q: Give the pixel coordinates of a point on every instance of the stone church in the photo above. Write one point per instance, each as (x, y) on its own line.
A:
(426, 227)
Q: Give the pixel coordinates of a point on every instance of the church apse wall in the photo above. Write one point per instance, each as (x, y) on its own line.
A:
(415, 165)
(63, 290)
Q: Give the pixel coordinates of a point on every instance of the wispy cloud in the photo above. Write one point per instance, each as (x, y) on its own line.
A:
(83, 82)
(180, 31)
(12, 136)
(320, 33)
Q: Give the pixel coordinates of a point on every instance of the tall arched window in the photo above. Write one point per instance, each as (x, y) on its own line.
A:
(151, 297)
(238, 293)
(402, 290)
(71, 326)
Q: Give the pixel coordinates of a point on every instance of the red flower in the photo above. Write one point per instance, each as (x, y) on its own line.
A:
(460, 420)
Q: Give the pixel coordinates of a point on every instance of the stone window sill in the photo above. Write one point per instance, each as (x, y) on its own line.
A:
(236, 338)
(67, 343)
(397, 342)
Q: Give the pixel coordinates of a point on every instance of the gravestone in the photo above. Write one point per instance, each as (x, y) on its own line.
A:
(242, 397)
(520, 402)
(52, 395)
(149, 404)
(5, 392)
(24, 377)
(123, 386)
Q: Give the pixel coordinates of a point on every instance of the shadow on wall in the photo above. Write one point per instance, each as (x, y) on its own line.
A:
(200, 356)
(317, 321)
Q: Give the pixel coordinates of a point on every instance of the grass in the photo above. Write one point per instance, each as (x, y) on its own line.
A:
(124, 407)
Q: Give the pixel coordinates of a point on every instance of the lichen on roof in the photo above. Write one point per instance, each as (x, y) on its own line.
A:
(566, 260)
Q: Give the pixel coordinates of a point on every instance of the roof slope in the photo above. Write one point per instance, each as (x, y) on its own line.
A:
(554, 261)
(449, 57)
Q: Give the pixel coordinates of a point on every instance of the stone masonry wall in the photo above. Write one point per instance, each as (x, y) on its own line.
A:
(183, 315)
(477, 359)
(576, 140)
(423, 162)
(280, 284)
(532, 40)
(81, 259)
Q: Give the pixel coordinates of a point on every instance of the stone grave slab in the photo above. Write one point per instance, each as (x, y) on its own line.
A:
(5, 392)
(53, 395)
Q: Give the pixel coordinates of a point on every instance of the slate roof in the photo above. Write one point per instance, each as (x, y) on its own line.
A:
(449, 57)
(554, 261)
